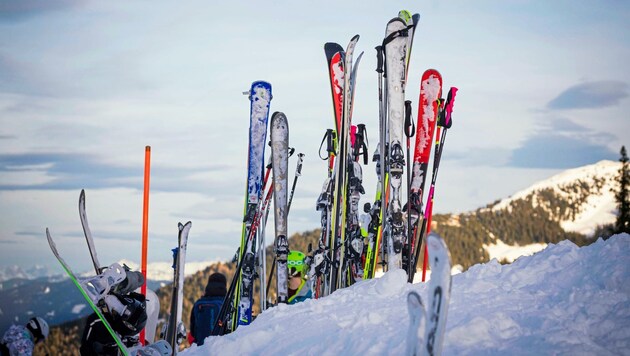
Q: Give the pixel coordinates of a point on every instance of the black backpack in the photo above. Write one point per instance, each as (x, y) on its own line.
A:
(205, 312)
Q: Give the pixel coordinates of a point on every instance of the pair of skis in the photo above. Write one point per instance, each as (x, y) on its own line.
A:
(335, 261)
(95, 289)
(238, 303)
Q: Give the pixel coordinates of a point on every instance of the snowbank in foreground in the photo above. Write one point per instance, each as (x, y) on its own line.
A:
(562, 300)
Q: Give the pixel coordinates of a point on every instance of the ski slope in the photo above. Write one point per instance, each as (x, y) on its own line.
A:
(563, 300)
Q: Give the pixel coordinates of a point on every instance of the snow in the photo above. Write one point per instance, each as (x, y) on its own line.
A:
(501, 251)
(163, 271)
(563, 300)
(77, 308)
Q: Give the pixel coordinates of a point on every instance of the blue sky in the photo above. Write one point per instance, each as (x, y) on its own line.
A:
(85, 86)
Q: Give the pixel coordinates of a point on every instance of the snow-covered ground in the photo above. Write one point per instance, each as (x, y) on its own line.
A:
(563, 300)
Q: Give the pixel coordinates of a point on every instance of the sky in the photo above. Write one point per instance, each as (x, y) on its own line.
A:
(85, 86)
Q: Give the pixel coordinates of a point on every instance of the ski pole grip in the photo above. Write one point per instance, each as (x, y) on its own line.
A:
(410, 127)
(450, 101)
(379, 59)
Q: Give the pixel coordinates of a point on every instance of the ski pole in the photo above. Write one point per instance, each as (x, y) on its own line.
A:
(444, 123)
(410, 129)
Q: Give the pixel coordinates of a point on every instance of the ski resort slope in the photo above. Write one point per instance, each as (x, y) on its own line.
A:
(563, 300)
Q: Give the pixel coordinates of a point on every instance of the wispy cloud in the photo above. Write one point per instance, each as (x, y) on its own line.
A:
(591, 95)
(26, 171)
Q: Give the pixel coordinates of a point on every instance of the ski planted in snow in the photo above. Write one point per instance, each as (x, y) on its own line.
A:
(175, 328)
(430, 92)
(439, 294)
(417, 324)
(443, 124)
(338, 220)
(260, 98)
(395, 48)
(279, 156)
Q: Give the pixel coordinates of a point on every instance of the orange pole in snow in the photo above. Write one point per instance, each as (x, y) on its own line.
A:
(145, 225)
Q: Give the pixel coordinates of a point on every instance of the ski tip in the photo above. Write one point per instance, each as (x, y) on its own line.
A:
(414, 298)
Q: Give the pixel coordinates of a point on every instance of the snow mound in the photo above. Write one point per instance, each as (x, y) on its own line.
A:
(562, 300)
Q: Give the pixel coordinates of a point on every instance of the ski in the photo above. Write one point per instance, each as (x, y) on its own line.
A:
(430, 92)
(174, 330)
(279, 155)
(374, 220)
(334, 58)
(417, 324)
(153, 313)
(260, 98)
(439, 294)
(339, 198)
(88, 233)
(395, 48)
(81, 289)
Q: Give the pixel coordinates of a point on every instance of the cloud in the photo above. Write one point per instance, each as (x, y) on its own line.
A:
(17, 10)
(591, 95)
(563, 145)
(65, 171)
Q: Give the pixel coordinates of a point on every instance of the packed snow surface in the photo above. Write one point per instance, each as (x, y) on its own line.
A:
(563, 300)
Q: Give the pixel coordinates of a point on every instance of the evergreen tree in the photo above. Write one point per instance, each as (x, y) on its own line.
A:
(623, 198)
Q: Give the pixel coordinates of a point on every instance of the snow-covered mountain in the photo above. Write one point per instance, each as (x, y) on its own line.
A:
(570, 205)
(580, 198)
(565, 300)
(37, 271)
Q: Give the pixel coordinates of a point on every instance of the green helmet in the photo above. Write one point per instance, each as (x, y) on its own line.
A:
(295, 262)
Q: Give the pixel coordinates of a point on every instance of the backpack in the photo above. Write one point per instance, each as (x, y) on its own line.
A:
(205, 312)
(4, 350)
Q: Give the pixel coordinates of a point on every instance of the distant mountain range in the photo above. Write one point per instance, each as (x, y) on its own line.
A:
(39, 291)
(570, 205)
(157, 271)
